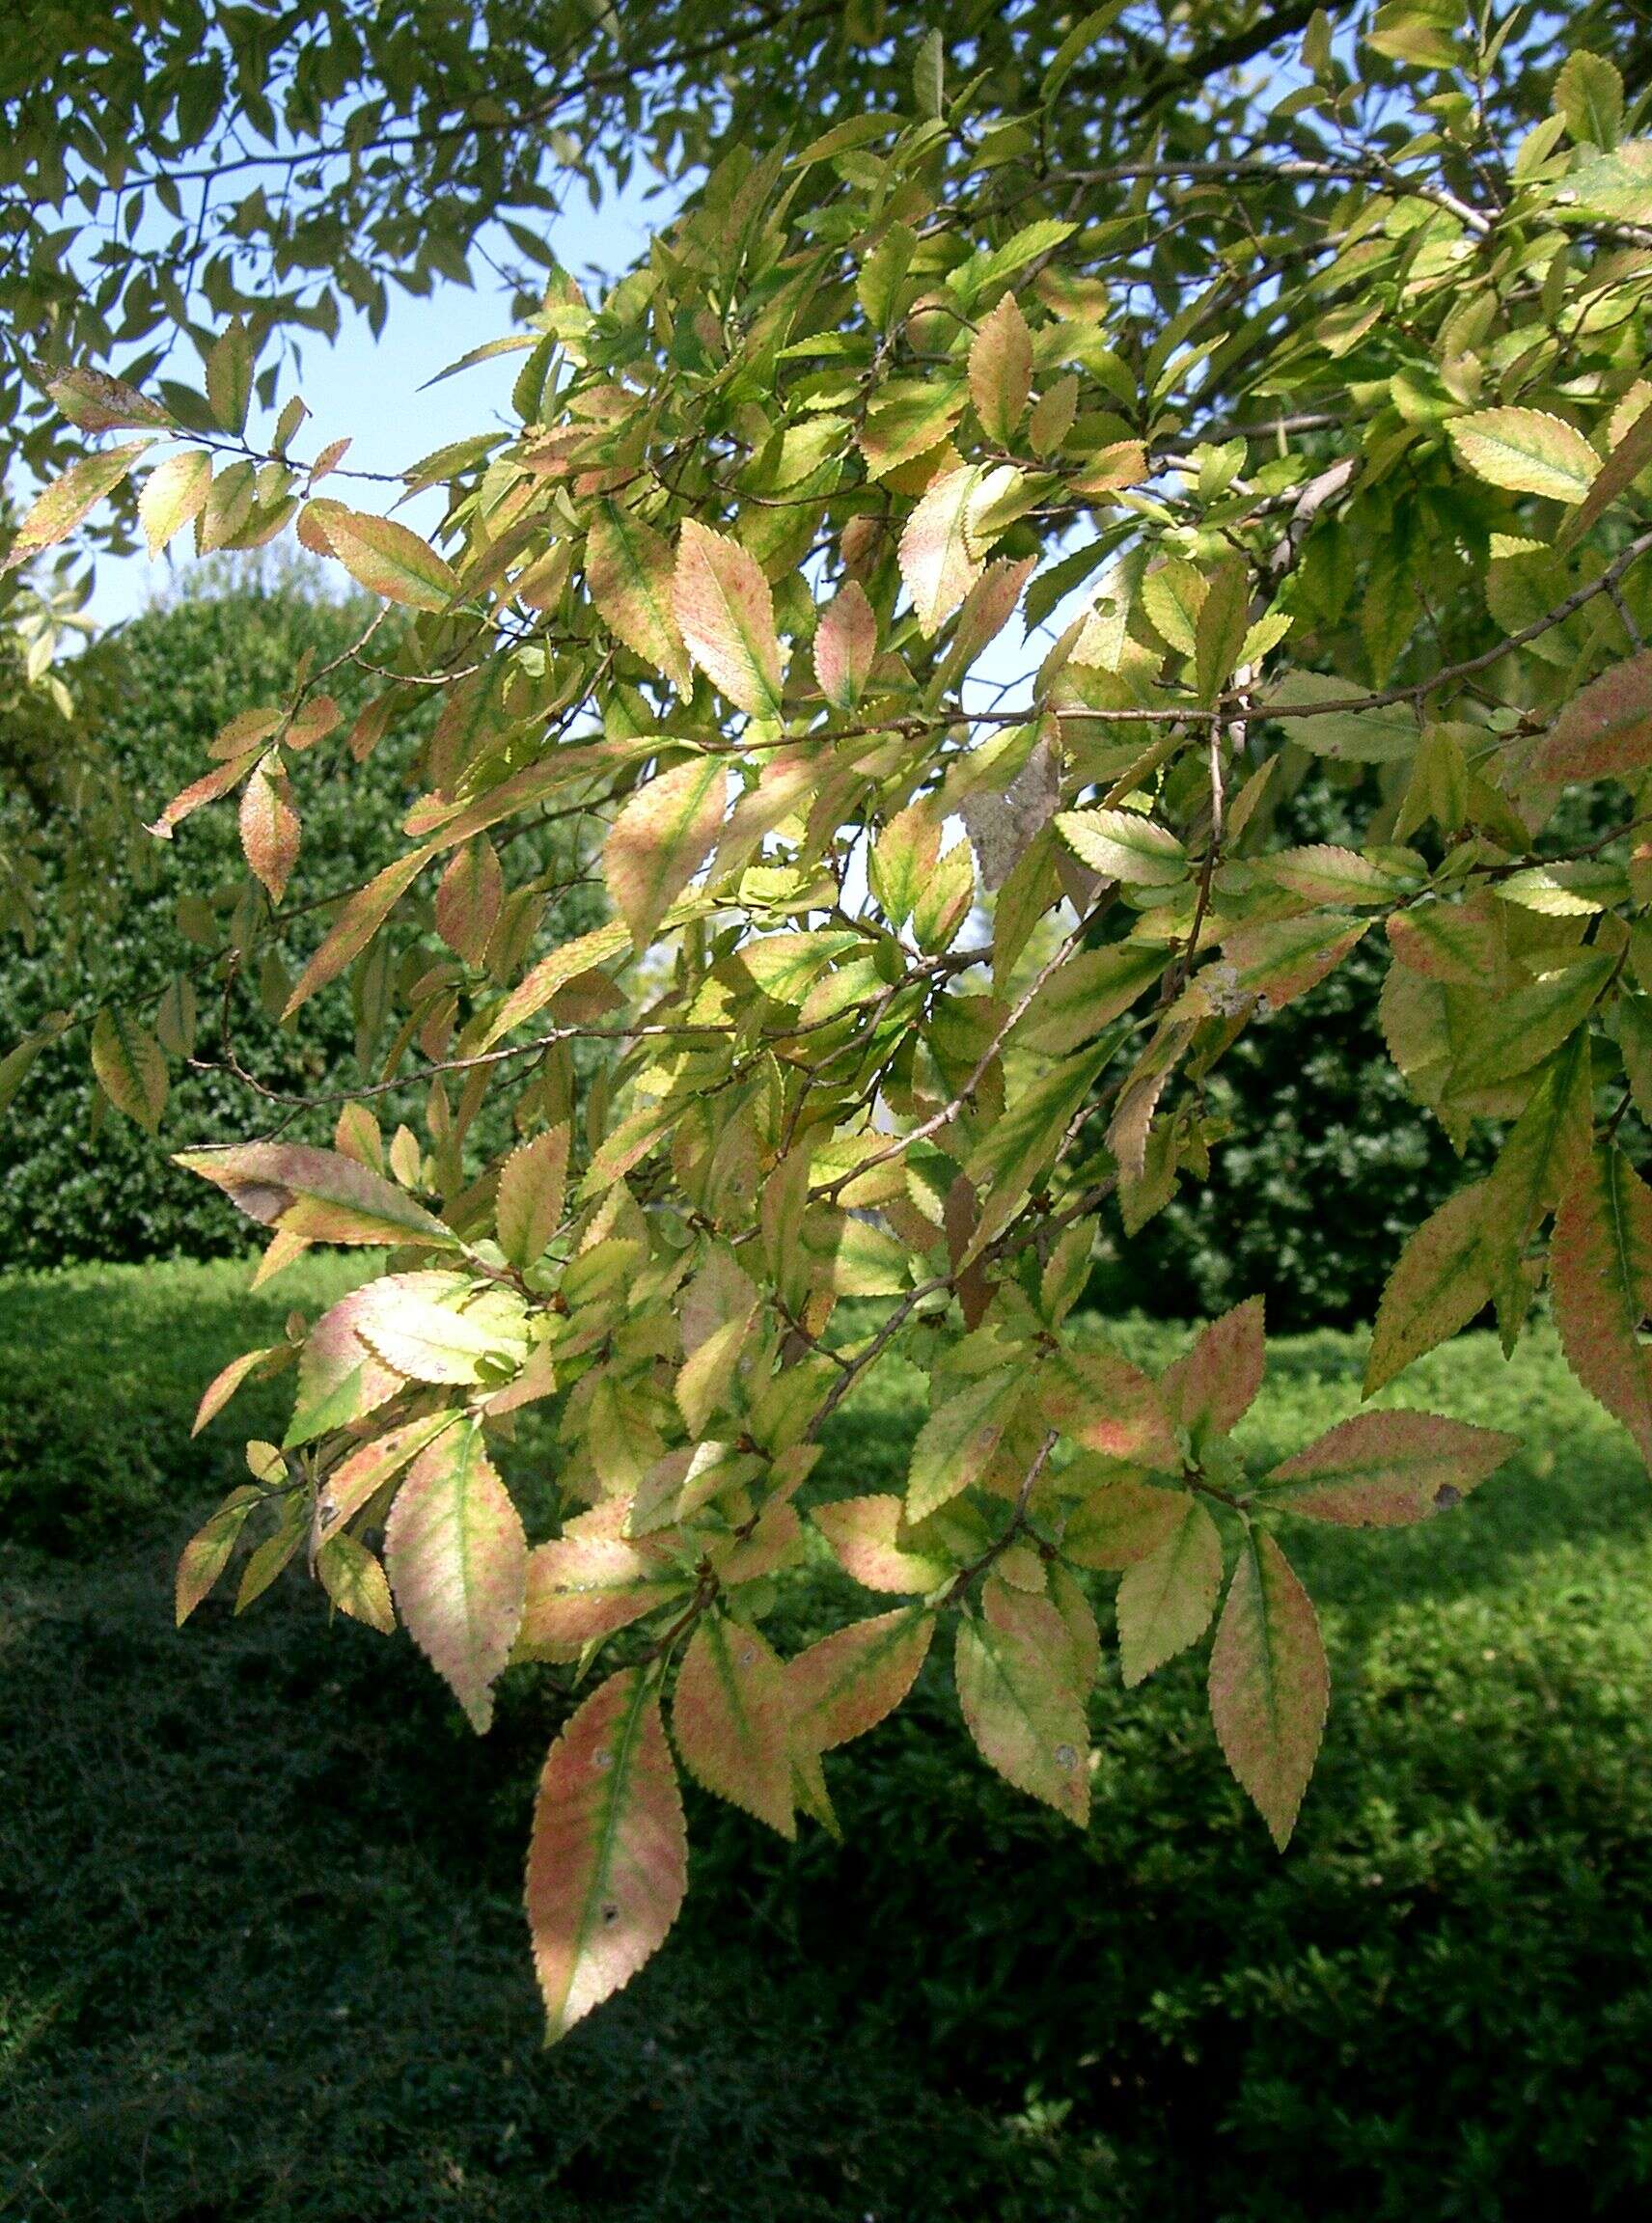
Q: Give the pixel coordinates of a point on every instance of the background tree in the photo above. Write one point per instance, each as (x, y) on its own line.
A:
(917, 588)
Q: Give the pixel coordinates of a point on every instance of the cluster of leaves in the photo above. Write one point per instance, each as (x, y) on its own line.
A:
(922, 945)
(169, 167)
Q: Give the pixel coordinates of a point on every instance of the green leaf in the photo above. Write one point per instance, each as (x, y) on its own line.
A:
(1001, 370)
(355, 1582)
(1270, 1687)
(1528, 451)
(1615, 187)
(608, 1861)
(1023, 1697)
(1380, 736)
(1526, 1024)
(1165, 1600)
(1086, 993)
(955, 1444)
(1224, 620)
(59, 507)
(1443, 1277)
(528, 1207)
(1623, 466)
(1588, 92)
(174, 495)
(1123, 845)
(130, 1066)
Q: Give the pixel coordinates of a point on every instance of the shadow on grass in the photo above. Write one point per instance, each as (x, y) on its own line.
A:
(264, 1959)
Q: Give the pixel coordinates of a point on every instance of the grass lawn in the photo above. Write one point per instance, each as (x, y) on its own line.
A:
(262, 1954)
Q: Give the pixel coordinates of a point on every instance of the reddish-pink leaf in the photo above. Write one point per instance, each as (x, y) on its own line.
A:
(270, 831)
(846, 1684)
(228, 1380)
(356, 1480)
(1270, 1687)
(1387, 1469)
(608, 1864)
(938, 558)
(458, 1561)
(732, 1720)
(661, 838)
(1210, 1389)
(468, 899)
(726, 612)
(581, 1587)
(356, 924)
(1600, 1269)
(207, 789)
(319, 1195)
(387, 559)
(845, 644)
(547, 980)
(864, 1536)
(1604, 732)
(1106, 1404)
(206, 1554)
(629, 571)
(1023, 1699)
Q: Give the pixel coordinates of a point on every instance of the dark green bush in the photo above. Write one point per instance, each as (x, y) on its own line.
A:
(259, 1883)
(186, 670)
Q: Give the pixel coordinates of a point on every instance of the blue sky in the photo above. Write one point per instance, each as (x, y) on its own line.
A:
(371, 389)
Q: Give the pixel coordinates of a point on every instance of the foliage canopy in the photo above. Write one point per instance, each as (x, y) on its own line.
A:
(911, 588)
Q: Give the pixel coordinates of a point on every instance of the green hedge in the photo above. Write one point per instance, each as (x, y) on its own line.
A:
(186, 669)
(314, 2001)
